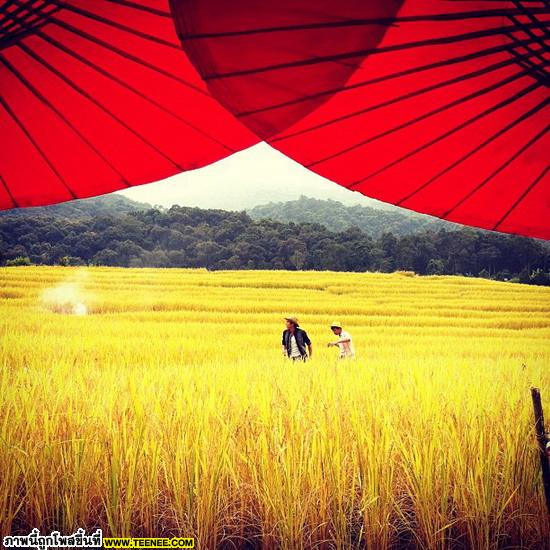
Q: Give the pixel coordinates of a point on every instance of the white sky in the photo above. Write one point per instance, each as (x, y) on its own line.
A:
(255, 176)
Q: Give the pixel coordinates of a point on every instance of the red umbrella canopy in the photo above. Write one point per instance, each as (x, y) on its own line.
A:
(98, 96)
(441, 107)
(438, 106)
(292, 52)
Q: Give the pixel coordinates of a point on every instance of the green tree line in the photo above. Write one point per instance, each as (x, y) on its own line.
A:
(216, 239)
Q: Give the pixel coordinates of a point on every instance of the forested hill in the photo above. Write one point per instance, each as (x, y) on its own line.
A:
(106, 205)
(338, 217)
(136, 236)
(332, 214)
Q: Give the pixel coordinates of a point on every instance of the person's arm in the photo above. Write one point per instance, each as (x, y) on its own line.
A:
(283, 347)
(307, 342)
(332, 344)
(342, 340)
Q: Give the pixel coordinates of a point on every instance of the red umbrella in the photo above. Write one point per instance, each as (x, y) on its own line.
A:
(438, 106)
(442, 108)
(98, 96)
(290, 52)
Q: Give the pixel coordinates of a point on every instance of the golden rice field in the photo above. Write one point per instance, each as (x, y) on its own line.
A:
(161, 405)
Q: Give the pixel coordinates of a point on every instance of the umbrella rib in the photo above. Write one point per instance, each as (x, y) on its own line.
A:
(6, 4)
(115, 24)
(509, 161)
(476, 149)
(8, 191)
(11, 20)
(126, 55)
(122, 53)
(442, 40)
(121, 82)
(461, 16)
(435, 65)
(35, 144)
(85, 94)
(531, 15)
(443, 136)
(141, 7)
(529, 32)
(46, 102)
(82, 59)
(9, 14)
(454, 103)
(15, 36)
(530, 66)
(526, 45)
(461, 78)
(531, 186)
(25, 26)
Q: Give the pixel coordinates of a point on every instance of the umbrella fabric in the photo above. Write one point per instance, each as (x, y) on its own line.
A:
(255, 54)
(98, 96)
(437, 106)
(444, 108)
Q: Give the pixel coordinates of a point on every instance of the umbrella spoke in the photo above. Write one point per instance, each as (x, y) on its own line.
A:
(469, 154)
(531, 186)
(35, 144)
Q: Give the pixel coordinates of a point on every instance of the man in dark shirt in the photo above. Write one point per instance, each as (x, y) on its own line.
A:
(295, 340)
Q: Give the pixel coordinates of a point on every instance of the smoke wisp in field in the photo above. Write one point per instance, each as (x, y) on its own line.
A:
(68, 297)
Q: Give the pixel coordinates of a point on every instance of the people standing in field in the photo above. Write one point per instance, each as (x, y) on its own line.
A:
(295, 340)
(344, 342)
